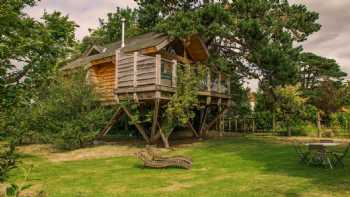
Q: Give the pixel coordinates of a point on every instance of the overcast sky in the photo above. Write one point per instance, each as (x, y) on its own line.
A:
(333, 41)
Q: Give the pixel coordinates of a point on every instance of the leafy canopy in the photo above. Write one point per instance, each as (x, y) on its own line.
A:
(30, 49)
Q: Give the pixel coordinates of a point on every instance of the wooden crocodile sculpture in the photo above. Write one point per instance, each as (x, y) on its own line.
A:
(152, 161)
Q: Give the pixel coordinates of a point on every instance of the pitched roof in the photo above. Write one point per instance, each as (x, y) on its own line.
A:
(136, 43)
(154, 41)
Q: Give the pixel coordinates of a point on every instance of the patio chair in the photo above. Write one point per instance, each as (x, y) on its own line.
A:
(303, 154)
(339, 156)
(319, 155)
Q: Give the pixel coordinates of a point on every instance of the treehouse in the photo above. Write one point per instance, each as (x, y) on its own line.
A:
(143, 69)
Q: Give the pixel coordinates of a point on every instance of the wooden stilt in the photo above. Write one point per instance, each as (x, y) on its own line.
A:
(189, 124)
(117, 115)
(318, 119)
(155, 118)
(138, 126)
(163, 136)
(205, 130)
(202, 123)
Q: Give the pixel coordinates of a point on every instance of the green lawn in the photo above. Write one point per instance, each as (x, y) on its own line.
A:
(228, 167)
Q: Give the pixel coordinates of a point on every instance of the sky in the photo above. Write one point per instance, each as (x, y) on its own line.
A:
(332, 41)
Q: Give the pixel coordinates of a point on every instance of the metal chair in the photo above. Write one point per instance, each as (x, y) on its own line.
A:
(303, 155)
(320, 156)
(339, 156)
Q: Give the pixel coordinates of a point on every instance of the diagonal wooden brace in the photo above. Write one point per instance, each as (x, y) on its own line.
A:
(138, 126)
(117, 115)
(211, 124)
(189, 124)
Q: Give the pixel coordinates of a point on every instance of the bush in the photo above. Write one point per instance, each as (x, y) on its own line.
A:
(7, 160)
(65, 113)
(305, 129)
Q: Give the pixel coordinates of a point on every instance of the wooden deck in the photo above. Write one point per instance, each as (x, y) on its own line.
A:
(143, 78)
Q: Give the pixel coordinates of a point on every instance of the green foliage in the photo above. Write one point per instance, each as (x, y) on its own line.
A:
(330, 96)
(30, 49)
(180, 108)
(15, 190)
(239, 96)
(290, 109)
(314, 69)
(8, 160)
(257, 36)
(65, 113)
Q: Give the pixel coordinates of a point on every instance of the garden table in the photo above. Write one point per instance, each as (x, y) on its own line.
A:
(320, 153)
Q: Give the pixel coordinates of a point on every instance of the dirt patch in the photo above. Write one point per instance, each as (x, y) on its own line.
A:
(175, 186)
(95, 152)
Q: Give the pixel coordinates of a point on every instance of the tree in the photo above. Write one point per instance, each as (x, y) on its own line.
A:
(111, 29)
(330, 96)
(65, 113)
(314, 69)
(249, 38)
(34, 50)
(290, 104)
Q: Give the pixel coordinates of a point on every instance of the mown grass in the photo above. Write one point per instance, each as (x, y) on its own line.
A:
(228, 167)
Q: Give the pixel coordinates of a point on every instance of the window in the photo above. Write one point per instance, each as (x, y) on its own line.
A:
(166, 70)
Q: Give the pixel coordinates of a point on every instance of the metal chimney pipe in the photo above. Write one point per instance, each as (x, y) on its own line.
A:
(123, 33)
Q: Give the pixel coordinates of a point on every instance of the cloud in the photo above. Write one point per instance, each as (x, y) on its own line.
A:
(84, 12)
(333, 40)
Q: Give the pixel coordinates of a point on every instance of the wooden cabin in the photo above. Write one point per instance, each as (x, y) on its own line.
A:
(144, 70)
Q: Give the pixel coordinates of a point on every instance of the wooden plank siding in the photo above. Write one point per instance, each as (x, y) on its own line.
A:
(140, 75)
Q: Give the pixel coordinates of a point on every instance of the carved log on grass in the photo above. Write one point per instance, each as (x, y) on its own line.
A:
(164, 162)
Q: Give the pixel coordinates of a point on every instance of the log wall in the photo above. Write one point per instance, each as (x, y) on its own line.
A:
(102, 77)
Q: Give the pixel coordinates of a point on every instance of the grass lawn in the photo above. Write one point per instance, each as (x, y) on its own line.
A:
(229, 167)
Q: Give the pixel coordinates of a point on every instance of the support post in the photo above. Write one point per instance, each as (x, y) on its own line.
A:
(209, 86)
(273, 123)
(163, 136)
(210, 125)
(236, 125)
(219, 83)
(138, 126)
(229, 124)
(318, 119)
(174, 74)
(116, 76)
(155, 118)
(158, 69)
(117, 115)
(135, 75)
(202, 123)
(189, 124)
(221, 115)
(253, 125)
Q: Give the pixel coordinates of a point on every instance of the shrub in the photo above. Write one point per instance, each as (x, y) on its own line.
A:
(8, 160)
(65, 113)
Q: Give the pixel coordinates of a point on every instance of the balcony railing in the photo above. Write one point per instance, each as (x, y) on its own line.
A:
(135, 70)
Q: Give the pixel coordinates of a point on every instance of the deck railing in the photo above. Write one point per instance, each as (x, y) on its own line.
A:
(135, 70)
